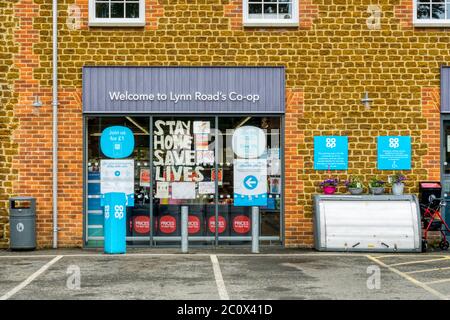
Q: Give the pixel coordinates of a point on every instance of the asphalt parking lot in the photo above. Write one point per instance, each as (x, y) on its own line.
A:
(223, 274)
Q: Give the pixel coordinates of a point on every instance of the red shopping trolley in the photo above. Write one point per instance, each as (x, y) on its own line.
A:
(433, 221)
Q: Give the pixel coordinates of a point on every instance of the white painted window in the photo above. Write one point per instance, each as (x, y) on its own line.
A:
(270, 13)
(117, 13)
(431, 13)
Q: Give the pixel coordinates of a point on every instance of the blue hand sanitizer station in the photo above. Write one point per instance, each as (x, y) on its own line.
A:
(115, 206)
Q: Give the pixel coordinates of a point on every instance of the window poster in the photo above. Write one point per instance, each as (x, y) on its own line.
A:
(175, 159)
(117, 176)
(183, 190)
(206, 187)
(275, 185)
(205, 157)
(144, 177)
(162, 190)
(220, 176)
(249, 142)
(201, 127)
(274, 167)
(201, 141)
(273, 153)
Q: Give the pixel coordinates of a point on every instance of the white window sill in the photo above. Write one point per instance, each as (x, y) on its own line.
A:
(432, 23)
(271, 23)
(117, 23)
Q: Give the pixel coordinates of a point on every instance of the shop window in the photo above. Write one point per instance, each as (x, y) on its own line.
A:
(216, 167)
(117, 13)
(271, 13)
(431, 13)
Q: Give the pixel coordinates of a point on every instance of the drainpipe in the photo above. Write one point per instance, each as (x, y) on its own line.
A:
(55, 124)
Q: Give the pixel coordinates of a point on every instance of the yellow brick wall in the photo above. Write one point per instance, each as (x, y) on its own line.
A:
(330, 60)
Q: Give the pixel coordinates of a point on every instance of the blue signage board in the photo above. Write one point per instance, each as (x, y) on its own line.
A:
(330, 153)
(394, 153)
(117, 142)
(115, 211)
(250, 182)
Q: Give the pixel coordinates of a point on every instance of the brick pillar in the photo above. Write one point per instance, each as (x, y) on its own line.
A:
(298, 228)
(431, 136)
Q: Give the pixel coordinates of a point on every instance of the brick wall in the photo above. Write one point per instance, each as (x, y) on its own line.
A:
(330, 60)
(8, 122)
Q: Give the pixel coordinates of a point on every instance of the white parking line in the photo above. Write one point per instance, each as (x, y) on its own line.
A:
(417, 262)
(223, 294)
(428, 270)
(410, 279)
(30, 279)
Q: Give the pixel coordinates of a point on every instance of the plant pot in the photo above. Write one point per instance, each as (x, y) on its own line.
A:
(329, 190)
(397, 189)
(376, 190)
(355, 191)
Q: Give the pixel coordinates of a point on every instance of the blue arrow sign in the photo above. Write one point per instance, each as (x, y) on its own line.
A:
(250, 182)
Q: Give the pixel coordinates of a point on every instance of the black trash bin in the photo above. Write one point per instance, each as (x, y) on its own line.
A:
(426, 189)
(22, 222)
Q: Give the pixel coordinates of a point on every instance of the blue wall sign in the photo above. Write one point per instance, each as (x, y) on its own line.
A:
(394, 153)
(330, 152)
(117, 142)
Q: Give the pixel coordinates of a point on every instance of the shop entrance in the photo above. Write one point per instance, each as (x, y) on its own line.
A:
(190, 161)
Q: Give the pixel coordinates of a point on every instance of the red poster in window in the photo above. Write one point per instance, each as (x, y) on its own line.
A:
(241, 224)
(193, 224)
(144, 177)
(212, 224)
(167, 224)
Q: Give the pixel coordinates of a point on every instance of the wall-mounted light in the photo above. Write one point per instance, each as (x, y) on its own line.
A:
(366, 101)
(37, 102)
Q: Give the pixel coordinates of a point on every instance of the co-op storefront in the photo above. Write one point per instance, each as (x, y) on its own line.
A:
(209, 138)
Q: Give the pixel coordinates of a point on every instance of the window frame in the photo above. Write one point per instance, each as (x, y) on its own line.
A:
(428, 22)
(249, 22)
(116, 22)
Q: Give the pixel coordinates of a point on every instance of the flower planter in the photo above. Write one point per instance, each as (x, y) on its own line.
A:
(355, 191)
(376, 190)
(397, 189)
(329, 190)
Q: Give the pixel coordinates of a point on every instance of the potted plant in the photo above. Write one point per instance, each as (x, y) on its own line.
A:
(397, 183)
(354, 185)
(329, 186)
(376, 186)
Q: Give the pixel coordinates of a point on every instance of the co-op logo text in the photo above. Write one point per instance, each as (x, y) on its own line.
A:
(177, 97)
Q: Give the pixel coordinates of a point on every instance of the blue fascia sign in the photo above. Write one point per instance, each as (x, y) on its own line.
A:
(394, 153)
(117, 142)
(330, 153)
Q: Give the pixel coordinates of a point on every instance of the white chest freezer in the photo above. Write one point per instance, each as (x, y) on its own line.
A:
(379, 223)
